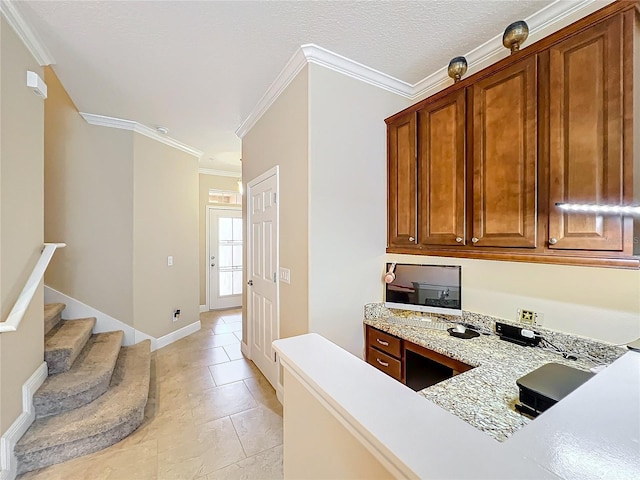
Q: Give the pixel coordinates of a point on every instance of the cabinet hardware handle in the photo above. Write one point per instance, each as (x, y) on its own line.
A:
(382, 342)
(474, 239)
(411, 239)
(459, 239)
(384, 364)
(553, 241)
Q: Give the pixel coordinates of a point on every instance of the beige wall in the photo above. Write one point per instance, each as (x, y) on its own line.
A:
(601, 303)
(207, 182)
(21, 218)
(123, 203)
(165, 223)
(347, 201)
(89, 205)
(281, 138)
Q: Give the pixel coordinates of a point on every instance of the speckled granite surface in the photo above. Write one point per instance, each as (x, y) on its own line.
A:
(485, 396)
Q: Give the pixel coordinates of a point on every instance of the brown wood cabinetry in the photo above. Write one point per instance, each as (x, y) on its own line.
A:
(409, 363)
(585, 131)
(504, 157)
(402, 172)
(476, 170)
(441, 171)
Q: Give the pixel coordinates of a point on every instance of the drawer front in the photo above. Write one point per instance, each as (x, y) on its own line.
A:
(383, 341)
(387, 364)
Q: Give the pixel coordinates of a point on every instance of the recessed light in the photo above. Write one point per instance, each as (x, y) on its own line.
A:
(162, 130)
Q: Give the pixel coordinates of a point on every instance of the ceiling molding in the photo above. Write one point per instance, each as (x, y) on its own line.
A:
(296, 63)
(28, 36)
(111, 122)
(219, 173)
(545, 19)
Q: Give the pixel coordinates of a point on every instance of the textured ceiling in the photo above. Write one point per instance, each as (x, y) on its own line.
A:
(199, 67)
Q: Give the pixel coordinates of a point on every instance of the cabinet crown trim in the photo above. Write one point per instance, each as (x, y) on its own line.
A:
(540, 21)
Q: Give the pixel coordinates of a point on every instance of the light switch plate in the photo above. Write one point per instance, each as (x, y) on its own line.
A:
(170, 261)
(285, 275)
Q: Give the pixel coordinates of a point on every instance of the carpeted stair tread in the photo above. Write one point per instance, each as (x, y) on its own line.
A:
(86, 380)
(65, 342)
(97, 425)
(52, 315)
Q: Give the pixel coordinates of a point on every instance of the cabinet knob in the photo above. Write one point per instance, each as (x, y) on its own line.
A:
(459, 239)
(475, 239)
(553, 241)
(411, 239)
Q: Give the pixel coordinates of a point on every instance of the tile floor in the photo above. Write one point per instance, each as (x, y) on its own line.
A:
(211, 415)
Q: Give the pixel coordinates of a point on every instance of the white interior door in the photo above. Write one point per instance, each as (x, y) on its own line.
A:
(225, 258)
(262, 293)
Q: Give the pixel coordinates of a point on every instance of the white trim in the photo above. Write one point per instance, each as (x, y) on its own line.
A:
(244, 348)
(76, 309)
(22, 423)
(112, 122)
(207, 279)
(541, 23)
(28, 35)
(23, 301)
(204, 308)
(280, 392)
(178, 334)
(247, 348)
(219, 173)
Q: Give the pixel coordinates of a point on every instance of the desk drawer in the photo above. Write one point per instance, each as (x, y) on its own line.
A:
(385, 363)
(383, 341)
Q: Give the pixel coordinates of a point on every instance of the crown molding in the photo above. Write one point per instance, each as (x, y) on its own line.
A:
(540, 22)
(111, 122)
(219, 173)
(28, 35)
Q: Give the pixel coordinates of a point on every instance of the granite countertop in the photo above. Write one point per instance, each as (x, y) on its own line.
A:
(484, 396)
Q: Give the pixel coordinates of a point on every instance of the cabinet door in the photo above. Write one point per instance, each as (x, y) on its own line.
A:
(585, 144)
(505, 157)
(402, 194)
(441, 171)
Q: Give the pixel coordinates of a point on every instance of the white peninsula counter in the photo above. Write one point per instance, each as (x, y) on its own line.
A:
(345, 419)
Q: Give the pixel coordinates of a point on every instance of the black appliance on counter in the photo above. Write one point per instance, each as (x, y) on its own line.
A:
(546, 386)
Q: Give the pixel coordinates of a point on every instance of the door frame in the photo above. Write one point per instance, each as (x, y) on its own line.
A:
(208, 245)
(247, 349)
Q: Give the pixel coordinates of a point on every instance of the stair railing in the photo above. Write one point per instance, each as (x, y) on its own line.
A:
(24, 299)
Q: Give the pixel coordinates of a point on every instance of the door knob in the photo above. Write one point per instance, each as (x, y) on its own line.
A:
(553, 241)
(459, 239)
(411, 239)
(475, 239)
(250, 283)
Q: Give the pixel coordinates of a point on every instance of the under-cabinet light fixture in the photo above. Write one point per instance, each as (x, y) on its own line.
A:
(597, 208)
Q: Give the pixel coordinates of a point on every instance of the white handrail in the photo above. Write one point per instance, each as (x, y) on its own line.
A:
(24, 299)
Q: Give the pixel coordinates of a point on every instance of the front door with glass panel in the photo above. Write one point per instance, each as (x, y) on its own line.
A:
(225, 258)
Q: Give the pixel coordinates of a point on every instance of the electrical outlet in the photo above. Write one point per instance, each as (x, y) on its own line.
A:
(176, 315)
(530, 317)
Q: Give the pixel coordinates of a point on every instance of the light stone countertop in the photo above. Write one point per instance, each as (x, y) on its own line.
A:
(484, 396)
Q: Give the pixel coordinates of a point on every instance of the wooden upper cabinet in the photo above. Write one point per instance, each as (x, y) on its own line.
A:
(505, 157)
(586, 136)
(441, 171)
(402, 171)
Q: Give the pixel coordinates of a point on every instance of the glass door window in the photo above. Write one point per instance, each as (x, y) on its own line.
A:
(230, 256)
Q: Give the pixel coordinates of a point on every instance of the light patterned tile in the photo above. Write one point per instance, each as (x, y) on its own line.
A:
(227, 328)
(234, 352)
(263, 466)
(220, 340)
(233, 371)
(259, 429)
(221, 401)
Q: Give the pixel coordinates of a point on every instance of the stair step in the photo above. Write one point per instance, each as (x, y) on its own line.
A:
(63, 344)
(85, 381)
(52, 315)
(97, 425)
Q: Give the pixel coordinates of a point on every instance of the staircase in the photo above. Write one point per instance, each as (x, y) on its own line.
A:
(94, 396)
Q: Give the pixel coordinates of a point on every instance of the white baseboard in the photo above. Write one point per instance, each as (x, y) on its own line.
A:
(244, 348)
(104, 322)
(22, 423)
(177, 335)
(204, 308)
